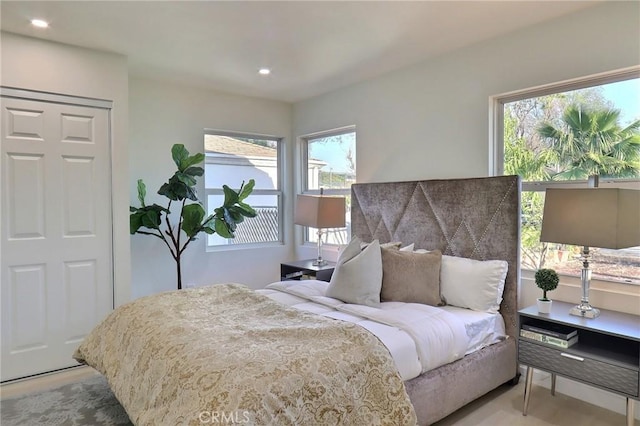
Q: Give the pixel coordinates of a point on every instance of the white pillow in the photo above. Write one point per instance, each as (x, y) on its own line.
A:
(473, 284)
(357, 277)
(408, 248)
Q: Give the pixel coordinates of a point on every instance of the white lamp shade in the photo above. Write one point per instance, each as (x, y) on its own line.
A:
(320, 211)
(592, 217)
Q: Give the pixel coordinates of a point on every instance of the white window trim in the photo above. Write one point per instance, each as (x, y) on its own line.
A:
(496, 130)
(277, 192)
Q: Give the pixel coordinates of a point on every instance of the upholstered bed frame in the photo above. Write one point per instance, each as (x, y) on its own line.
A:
(474, 218)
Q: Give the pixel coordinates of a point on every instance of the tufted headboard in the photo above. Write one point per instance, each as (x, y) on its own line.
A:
(476, 218)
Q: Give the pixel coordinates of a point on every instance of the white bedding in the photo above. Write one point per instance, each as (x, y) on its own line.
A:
(419, 337)
(483, 329)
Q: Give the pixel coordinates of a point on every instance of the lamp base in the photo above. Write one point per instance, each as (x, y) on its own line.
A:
(585, 311)
(319, 262)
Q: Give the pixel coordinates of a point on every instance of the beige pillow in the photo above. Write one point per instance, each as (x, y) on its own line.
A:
(411, 277)
(357, 277)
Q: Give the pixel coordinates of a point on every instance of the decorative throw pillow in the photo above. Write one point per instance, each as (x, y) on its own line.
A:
(473, 284)
(411, 277)
(357, 277)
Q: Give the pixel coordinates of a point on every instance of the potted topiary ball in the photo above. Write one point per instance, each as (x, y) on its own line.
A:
(546, 280)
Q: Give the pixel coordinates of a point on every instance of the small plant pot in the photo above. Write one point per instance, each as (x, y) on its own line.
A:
(544, 306)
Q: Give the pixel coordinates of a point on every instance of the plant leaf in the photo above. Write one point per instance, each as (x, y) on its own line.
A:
(135, 222)
(246, 210)
(247, 189)
(142, 191)
(230, 196)
(151, 219)
(179, 154)
(229, 220)
(194, 171)
(192, 215)
(185, 178)
(190, 161)
(222, 229)
(175, 189)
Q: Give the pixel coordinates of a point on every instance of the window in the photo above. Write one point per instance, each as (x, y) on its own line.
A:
(329, 163)
(230, 159)
(557, 136)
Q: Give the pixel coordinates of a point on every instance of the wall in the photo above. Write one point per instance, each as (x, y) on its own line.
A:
(431, 120)
(162, 114)
(29, 63)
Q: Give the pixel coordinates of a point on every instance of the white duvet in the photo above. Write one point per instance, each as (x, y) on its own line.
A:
(419, 337)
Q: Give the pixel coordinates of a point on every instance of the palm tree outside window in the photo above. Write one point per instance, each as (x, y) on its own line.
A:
(558, 137)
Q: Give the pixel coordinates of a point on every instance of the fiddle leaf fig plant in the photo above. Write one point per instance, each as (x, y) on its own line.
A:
(155, 220)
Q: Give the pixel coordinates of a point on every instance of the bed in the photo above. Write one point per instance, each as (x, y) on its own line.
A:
(476, 218)
(224, 353)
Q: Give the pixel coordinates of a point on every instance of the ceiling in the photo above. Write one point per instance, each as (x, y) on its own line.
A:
(312, 47)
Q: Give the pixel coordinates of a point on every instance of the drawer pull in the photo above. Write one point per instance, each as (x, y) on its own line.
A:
(577, 358)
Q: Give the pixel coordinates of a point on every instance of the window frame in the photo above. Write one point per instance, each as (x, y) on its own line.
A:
(278, 192)
(304, 174)
(496, 132)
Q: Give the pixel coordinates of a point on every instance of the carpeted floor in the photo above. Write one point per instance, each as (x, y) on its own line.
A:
(88, 402)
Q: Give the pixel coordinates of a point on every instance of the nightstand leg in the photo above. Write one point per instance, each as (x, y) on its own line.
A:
(527, 390)
(553, 384)
(630, 412)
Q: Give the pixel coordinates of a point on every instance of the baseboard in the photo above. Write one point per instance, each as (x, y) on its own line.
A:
(586, 393)
(45, 381)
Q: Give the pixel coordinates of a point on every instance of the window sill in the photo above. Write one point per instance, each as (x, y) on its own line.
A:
(615, 296)
(249, 246)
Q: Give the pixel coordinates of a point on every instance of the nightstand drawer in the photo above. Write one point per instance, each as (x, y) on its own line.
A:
(613, 377)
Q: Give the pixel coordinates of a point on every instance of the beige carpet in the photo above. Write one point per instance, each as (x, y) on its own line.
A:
(503, 407)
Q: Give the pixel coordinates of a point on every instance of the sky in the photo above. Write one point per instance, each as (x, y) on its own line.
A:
(334, 152)
(626, 97)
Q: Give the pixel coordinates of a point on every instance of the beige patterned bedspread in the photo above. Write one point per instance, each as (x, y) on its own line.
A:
(224, 354)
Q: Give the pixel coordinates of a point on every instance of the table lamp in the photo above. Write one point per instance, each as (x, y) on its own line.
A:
(320, 212)
(591, 217)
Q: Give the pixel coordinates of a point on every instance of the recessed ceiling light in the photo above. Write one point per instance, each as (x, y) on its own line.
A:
(264, 71)
(39, 23)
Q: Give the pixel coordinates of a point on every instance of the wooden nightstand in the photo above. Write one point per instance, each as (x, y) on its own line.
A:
(295, 270)
(607, 354)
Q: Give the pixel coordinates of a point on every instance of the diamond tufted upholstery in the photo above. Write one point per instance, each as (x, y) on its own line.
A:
(476, 218)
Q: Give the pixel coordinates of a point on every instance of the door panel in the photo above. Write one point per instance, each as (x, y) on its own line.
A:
(25, 196)
(56, 232)
(78, 201)
(27, 295)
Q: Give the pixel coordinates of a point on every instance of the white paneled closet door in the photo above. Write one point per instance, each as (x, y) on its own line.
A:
(57, 280)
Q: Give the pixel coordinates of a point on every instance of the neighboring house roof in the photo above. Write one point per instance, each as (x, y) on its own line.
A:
(227, 145)
(232, 146)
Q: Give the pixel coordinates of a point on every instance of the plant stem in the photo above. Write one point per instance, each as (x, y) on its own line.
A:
(177, 243)
(179, 272)
(162, 238)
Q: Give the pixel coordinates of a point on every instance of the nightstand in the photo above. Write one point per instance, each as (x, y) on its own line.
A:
(607, 354)
(295, 270)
